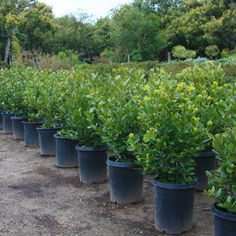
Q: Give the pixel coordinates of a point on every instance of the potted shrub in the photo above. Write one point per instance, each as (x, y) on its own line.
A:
(30, 98)
(11, 92)
(169, 136)
(18, 78)
(67, 138)
(222, 183)
(1, 80)
(53, 95)
(213, 93)
(5, 97)
(117, 111)
(92, 154)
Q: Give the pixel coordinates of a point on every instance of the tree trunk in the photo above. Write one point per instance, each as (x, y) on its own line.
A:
(7, 58)
(128, 57)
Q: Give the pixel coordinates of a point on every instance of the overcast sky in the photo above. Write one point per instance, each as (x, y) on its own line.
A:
(97, 8)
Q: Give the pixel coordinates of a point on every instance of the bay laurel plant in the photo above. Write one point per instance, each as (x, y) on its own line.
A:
(213, 97)
(12, 86)
(116, 108)
(32, 94)
(77, 112)
(54, 93)
(6, 90)
(222, 181)
(170, 130)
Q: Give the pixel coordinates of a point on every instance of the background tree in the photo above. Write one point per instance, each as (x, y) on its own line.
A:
(142, 30)
(9, 22)
(35, 21)
(137, 31)
(181, 52)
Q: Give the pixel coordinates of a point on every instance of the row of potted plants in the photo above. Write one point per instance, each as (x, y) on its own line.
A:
(154, 123)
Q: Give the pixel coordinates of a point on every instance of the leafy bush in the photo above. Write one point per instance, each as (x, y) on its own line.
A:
(136, 55)
(117, 111)
(230, 70)
(222, 181)
(212, 98)
(212, 51)
(109, 55)
(170, 130)
(57, 62)
(53, 95)
(12, 87)
(77, 111)
(32, 94)
(182, 53)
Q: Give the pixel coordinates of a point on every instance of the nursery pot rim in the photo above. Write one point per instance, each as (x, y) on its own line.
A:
(6, 113)
(205, 154)
(191, 185)
(216, 211)
(28, 122)
(111, 162)
(41, 129)
(18, 118)
(61, 137)
(90, 149)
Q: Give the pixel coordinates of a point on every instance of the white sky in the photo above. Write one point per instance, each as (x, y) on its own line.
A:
(96, 8)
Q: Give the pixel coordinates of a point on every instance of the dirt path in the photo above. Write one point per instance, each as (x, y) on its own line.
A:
(37, 198)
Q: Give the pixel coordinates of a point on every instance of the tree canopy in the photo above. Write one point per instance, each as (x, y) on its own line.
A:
(142, 30)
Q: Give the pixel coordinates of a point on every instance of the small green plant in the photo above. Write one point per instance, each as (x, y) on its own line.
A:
(212, 51)
(136, 55)
(109, 55)
(170, 130)
(222, 181)
(181, 52)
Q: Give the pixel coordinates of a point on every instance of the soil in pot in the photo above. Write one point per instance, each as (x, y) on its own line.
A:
(66, 154)
(173, 207)
(47, 143)
(17, 127)
(205, 161)
(225, 222)
(125, 182)
(92, 164)
(6, 123)
(30, 133)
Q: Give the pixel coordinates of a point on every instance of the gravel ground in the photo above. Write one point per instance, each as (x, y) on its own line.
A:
(37, 198)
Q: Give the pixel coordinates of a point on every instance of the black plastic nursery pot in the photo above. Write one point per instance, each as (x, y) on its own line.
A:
(47, 143)
(6, 123)
(173, 207)
(30, 133)
(1, 122)
(205, 161)
(17, 127)
(225, 222)
(66, 154)
(92, 164)
(125, 182)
